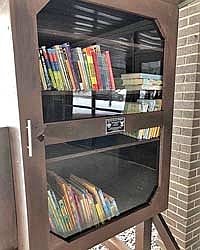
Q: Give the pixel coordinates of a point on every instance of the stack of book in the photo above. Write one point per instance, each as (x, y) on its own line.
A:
(65, 68)
(142, 81)
(76, 204)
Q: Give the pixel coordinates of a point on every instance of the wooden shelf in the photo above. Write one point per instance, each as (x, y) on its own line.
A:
(60, 132)
(65, 151)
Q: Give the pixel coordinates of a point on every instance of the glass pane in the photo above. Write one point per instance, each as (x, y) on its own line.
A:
(96, 61)
(92, 181)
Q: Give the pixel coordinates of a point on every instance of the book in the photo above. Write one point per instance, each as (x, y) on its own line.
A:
(61, 186)
(109, 68)
(143, 87)
(63, 72)
(48, 65)
(103, 71)
(141, 76)
(90, 62)
(95, 51)
(78, 70)
(78, 58)
(58, 70)
(42, 76)
(132, 107)
(54, 69)
(92, 189)
(142, 81)
(70, 67)
(83, 198)
(45, 71)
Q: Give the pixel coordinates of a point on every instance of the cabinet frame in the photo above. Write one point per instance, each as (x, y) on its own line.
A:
(30, 172)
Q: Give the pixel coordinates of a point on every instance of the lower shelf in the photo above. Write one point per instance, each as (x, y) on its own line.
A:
(126, 177)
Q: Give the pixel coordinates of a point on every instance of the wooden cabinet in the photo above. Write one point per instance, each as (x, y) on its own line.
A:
(74, 132)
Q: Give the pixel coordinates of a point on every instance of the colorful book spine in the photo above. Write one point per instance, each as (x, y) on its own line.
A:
(105, 208)
(46, 73)
(87, 71)
(54, 69)
(103, 71)
(42, 76)
(58, 70)
(48, 65)
(56, 202)
(77, 67)
(110, 71)
(97, 69)
(67, 66)
(77, 52)
(66, 47)
(54, 208)
(54, 221)
(64, 76)
(88, 51)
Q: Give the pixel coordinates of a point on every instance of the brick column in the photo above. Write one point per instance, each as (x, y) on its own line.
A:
(183, 215)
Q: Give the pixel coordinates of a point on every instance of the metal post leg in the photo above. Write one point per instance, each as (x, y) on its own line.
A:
(165, 233)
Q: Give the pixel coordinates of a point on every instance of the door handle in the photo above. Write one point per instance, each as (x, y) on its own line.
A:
(29, 136)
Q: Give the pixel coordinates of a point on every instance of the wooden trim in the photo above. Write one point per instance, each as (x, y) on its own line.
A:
(60, 132)
(31, 198)
(174, 2)
(105, 232)
(37, 5)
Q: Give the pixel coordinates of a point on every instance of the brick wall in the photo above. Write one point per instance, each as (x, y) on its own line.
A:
(183, 215)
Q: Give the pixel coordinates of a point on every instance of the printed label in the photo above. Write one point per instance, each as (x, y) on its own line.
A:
(115, 125)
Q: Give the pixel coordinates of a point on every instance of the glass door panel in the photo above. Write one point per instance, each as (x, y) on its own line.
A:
(95, 180)
(96, 61)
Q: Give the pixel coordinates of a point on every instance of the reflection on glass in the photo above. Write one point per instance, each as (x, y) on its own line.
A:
(113, 178)
(61, 106)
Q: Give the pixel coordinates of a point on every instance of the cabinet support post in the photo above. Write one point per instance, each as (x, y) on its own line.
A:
(143, 235)
(165, 233)
(115, 244)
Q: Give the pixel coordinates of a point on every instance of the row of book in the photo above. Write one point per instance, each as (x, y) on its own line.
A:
(146, 133)
(76, 204)
(72, 69)
(141, 81)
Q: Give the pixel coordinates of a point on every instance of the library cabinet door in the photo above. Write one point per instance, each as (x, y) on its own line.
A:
(100, 75)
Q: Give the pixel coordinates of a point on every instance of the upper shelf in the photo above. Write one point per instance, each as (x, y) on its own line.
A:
(102, 60)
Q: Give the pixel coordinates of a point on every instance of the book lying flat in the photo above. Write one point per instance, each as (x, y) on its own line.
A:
(143, 87)
(141, 76)
(138, 81)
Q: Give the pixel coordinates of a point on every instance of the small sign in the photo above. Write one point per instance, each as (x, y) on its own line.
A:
(115, 125)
